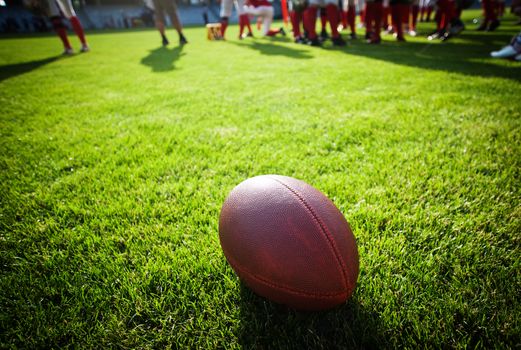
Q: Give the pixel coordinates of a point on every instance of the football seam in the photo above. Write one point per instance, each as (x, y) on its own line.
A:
(325, 232)
(246, 272)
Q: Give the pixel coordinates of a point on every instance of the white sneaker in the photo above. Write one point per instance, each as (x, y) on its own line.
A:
(412, 33)
(85, 48)
(68, 52)
(518, 58)
(506, 52)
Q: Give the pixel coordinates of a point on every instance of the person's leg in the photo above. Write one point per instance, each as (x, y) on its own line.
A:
(61, 31)
(310, 21)
(68, 11)
(415, 8)
(332, 17)
(351, 16)
(171, 8)
(225, 13)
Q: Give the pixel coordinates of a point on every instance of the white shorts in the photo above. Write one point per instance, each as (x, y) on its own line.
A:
(64, 7)
(227, 5)
(322, 3)
(263, 12)
(347, 3)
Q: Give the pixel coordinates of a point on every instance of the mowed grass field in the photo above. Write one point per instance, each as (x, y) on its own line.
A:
(114, 165)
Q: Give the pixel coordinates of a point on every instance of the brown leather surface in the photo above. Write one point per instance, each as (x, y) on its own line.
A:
(289, 243)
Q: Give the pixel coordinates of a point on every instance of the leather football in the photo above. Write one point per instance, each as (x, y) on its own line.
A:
(289, 243)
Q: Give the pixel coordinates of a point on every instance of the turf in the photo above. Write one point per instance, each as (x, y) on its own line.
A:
(114, 165)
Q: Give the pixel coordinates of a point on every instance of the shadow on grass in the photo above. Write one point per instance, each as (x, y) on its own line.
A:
(270, 49)
(162, 59)
(12, 70)
(470, 55)
(265, 325)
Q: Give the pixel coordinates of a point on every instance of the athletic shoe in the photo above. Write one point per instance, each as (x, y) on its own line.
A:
(518, 58)
(506, 52)
(338, 41)
(493, 25)
(446, 36)
(412, 33)
(353, 36)
(68, 52)
(165, 41)
(182, 40)
(299, 40)
(282, 31)
(482, 27)
(374, 41)
(314, 42)
(400, 38)
(436, 35)
(324, 35)
(85, 48)
(249, 35)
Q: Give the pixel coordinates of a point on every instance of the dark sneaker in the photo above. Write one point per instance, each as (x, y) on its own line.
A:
(165, 41)
(282, 31)
(493, 25)
(182, 40)
(436, 35)
(338, 41)
(353, 36)
(324, 35)
(314, 42)
(483, 26)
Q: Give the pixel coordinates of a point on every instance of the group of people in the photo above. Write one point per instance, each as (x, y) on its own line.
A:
(393, 16)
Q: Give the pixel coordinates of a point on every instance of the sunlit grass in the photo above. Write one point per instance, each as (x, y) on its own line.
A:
(114, 165)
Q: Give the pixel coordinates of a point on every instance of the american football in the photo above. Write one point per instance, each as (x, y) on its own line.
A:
(289, 243)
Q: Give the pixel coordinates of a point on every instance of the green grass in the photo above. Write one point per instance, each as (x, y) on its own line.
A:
(114, 165)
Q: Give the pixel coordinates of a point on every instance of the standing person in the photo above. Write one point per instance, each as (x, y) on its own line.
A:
(226, 12)
(310, 20)
(264, 11)
(296, 9)
(415, 10)
(167, 7)
(491, 21)
(399, 13)
(349, 16)
(56, 10)
(373, 20)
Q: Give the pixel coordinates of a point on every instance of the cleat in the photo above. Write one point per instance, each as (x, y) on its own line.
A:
(338, 41)
(518, 58)
(482, 27)
(165, 41)
(314, 42)
(493, 25)
(68, 52)
(353, 36)
(374, 41)
(435, 35)
(400, 38)
(182, 40)
(446, 36)
(323, 35)
(300, 40)
(249, 35)
(412, 33)
(85, 48)
(282, 31)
